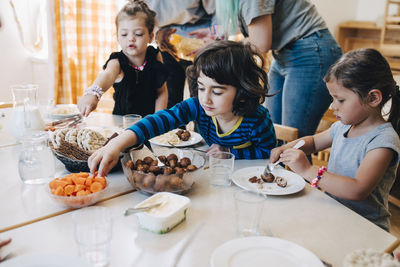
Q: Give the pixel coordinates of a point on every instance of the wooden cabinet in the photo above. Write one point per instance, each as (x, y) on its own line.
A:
(365, 34)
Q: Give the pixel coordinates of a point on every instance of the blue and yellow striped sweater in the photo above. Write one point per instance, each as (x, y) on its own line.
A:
(252, 137)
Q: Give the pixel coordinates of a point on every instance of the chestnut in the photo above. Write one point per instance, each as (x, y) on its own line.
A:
(148, 160)
(129, 164)
(191, 167)
(163, 159)
(167, 170)
(184, 162)
(172, 157)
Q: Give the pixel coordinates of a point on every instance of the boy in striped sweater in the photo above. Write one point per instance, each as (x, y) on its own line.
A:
(228, 82)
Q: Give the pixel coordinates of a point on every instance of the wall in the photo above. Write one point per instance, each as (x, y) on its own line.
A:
(18, 66)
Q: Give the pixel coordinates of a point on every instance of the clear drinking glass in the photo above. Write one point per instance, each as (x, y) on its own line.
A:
(36, 161)
(248, 207)
(93, 232)
(221, 165)
(130, 119)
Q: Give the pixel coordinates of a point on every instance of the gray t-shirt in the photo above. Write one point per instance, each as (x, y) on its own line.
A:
(345, 158)
(291, 19)
(180, 12)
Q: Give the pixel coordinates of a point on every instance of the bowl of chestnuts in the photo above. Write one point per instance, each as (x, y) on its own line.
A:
(167, 170)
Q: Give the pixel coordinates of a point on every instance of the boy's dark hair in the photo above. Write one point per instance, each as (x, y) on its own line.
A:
(363, 70)
(235, 64)
(134, 6)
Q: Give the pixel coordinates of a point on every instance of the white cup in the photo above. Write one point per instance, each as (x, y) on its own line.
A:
(130, 119)
(248, 208)
(93, 232)
(221, 166)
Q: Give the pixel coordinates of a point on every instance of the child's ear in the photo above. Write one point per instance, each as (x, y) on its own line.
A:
(374, 97)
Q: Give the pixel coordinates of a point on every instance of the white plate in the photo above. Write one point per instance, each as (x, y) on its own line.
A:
(71, 108)
(295, 182)
(195, 138)
(262, 251)
(45, 259)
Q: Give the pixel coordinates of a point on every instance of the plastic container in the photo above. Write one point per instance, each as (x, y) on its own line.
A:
(165, 217)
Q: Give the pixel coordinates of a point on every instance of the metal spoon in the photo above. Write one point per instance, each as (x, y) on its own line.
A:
(186, 148)
(270, 167)
(130, 211)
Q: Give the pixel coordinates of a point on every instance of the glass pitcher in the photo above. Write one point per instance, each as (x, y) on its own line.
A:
(36, 164)
(25, 116)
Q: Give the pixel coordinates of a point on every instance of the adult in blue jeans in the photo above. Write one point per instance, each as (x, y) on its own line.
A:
(303, 50)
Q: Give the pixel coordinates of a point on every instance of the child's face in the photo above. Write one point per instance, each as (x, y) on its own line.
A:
(133, 35)
(347, 105)
(216, 99)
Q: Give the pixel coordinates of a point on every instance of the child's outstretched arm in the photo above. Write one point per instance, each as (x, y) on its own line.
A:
(370, 172)
(107, 157)
(162, 98)
(104, 81)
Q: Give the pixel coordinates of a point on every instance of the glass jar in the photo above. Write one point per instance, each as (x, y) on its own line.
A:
(36, 161)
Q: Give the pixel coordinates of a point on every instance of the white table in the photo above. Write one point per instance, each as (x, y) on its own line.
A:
(309, 218)
(22, 203)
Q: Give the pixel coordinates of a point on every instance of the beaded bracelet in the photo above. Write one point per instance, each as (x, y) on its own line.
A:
(94, 90)
(315, 182)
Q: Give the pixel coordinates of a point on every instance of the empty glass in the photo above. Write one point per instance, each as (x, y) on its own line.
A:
(93, 232)
(221, 166)
(36, 161)
(248, 206)
(130, 119)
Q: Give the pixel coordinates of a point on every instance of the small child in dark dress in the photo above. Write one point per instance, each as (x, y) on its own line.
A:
(136, 72)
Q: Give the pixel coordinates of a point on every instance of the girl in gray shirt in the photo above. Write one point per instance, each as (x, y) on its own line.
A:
(365, 147)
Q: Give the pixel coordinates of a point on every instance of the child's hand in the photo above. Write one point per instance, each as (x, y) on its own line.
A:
(275, 154)
(104, 159)
(296, 159)
(87, 104)
(216, 148)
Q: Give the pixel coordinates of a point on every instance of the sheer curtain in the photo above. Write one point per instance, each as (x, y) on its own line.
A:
(84, 36)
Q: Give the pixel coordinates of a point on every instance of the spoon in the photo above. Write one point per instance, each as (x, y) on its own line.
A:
(130, 211)
(270, 167)
(186, 148)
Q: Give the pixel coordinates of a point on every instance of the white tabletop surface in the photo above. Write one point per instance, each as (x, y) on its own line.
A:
(30, 202)
(309, 218)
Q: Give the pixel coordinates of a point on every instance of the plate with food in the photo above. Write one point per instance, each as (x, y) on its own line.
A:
(259, 250)
(281, 182)
(177, 138)
(63, 111)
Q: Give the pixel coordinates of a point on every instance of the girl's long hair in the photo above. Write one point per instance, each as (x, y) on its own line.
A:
(363, 70)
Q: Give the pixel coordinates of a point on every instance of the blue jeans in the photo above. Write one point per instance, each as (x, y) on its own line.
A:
(297, 74)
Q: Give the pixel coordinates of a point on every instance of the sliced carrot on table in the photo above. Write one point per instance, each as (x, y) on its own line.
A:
(96, 187)
(78, 180)
(101, 180)
(69, 189)
(79, 187)
(89, 181)
(59, 191)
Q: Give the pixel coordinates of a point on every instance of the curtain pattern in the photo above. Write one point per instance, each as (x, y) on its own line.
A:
(85, 35)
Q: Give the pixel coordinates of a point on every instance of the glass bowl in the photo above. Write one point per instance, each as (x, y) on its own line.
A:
(76, 202)
(150, 183)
